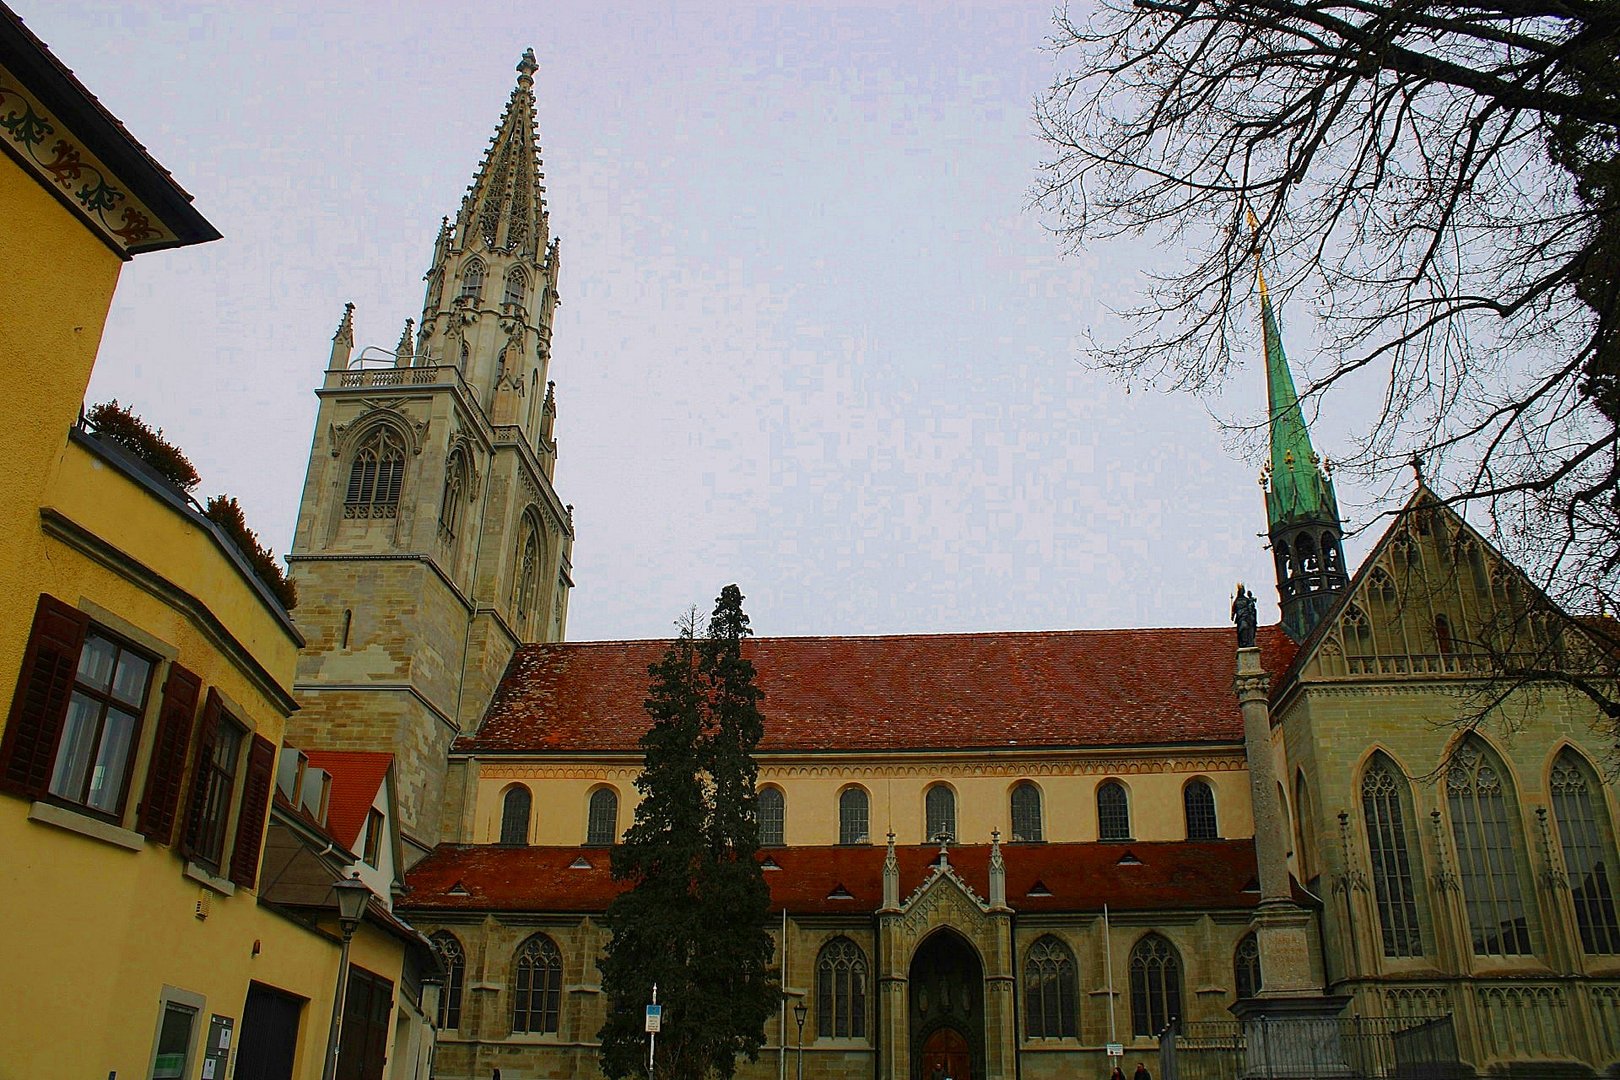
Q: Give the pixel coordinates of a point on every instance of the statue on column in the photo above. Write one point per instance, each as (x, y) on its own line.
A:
(1245, 616)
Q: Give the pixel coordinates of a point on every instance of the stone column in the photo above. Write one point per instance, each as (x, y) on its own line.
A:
(1291, 1028)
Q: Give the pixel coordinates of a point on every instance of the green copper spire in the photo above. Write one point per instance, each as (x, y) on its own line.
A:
(1298, 487)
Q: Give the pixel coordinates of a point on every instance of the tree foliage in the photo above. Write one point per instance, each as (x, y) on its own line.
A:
(694, 918)
(1440, 181)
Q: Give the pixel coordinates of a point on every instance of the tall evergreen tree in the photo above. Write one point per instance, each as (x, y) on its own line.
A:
(693, 921)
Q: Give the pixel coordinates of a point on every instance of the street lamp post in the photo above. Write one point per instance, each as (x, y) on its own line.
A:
(800, 1012)
(352, 895)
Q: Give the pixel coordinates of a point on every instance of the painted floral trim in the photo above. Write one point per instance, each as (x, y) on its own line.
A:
(71, 168)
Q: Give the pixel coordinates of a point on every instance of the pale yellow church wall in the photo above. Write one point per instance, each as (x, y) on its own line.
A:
(897, 794)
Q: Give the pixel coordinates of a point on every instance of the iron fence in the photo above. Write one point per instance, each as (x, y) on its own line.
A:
(1351, 1048)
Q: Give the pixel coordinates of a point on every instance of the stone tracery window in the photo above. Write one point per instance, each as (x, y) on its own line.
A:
(1198, 806)
(526, 581)
(375, 476)
(455, 495)
(517, 283)
(1049, 991)
(1357, 633)
(939, 807)
(1394, 885)
(1586, 838)
(1026, 813)
(841, 990)
(537, 995)
(472, 281)
(1484, 825)
(1155, 985)
(454, 959)
(1246, 967)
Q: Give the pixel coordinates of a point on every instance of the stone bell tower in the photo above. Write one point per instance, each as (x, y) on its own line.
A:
(430, 542)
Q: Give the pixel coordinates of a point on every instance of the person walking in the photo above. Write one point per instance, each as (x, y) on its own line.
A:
(1117, 1074)
(1141, 1073)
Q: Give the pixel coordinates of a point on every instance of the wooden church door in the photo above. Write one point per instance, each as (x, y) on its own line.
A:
(945, 1056)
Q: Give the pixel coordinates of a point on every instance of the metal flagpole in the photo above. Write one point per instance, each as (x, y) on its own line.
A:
(652, 1036)
(1108, 954)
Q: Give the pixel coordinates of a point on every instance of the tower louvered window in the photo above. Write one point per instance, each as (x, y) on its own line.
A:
(1049, 991)
(1387, 848)
(1484, 823)
(1155, 985)
(1026, 813)
(1587, 840)
(772, 817)
(841, 990)
(375, 477)
(1113, 812)
(940, 810)
(1198, 806)
(537, 996)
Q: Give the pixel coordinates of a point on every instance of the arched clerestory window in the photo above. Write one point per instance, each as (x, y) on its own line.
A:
(1050, 1010)
(1586, 836)
(454, 959)
(939, 807)
(1113, 811)
(515, 816)
(853, 816)
(602, 826)
(1155, 985)
(1246, 967)
(472, 281)
(375, 476)
(1198, 808)
(841, 990)
(537, 985)
(1389, 847)
(772, 816)
(1485, 828)
(517, 283)
(1026, 813)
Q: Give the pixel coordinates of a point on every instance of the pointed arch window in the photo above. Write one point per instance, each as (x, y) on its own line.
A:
(1026, 813)
(1442, 635)
(472, 281)
(1155, 985)
(1357, 633)
(515, 816)
(1246, 967)
(1305, 821)
(852, 816)
(1484, 826)
(537, 996)
(939, 807)
(602, 828)
(526, 582)
(435, 287)
(517, 283)
(841, 990)
(1198, 806)
(1113, 811)
(1586, 837)
(375, 476)
(455, 495)
(1381, 587)
(1383, 795)
(454, 959)
(1050, 1011)
(772, 816)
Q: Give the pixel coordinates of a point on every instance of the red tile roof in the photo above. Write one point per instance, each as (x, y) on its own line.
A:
(1079, 877)
(935, 691)
(356, 776)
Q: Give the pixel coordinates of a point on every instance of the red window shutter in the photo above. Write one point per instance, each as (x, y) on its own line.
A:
(261, 775)
(39, 708)
(166, 774)
(207, 730)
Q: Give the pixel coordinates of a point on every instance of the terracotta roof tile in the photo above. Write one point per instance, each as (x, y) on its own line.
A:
(1079, 877)
(356, 776)
(935, 691)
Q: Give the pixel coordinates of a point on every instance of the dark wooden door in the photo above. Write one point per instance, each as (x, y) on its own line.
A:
(945, 1056)
(269, 1038)
(367, 1010)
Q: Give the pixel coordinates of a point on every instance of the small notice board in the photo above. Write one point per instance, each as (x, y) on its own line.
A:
(1116, 1049)
(655, 1018)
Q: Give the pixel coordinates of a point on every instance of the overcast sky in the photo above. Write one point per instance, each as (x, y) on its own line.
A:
(813, 338)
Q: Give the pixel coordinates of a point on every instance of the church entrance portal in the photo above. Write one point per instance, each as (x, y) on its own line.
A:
(947, 1010)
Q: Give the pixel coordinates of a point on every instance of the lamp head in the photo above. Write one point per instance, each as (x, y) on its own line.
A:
(352, 895)
(800, 1012)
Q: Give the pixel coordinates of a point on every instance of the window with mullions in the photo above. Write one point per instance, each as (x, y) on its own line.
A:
(1388, 848)
(103, 723)
(602, 828)
(214, 789)
(1049, 991)
(939, 807)
(472, 281)
(852, 817)
(772, 817)
(1026, 813)
(1587, 839)
(517, 283)
(1484, 823)
(375, 477)
(1246, 967)
(455, 495)
(1155, 985)
(454, 959)
(537, 996)
(1198, 807)
(841, 990)
(1113, 812)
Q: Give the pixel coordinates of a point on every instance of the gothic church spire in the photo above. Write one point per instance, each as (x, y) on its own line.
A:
(505, 206)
